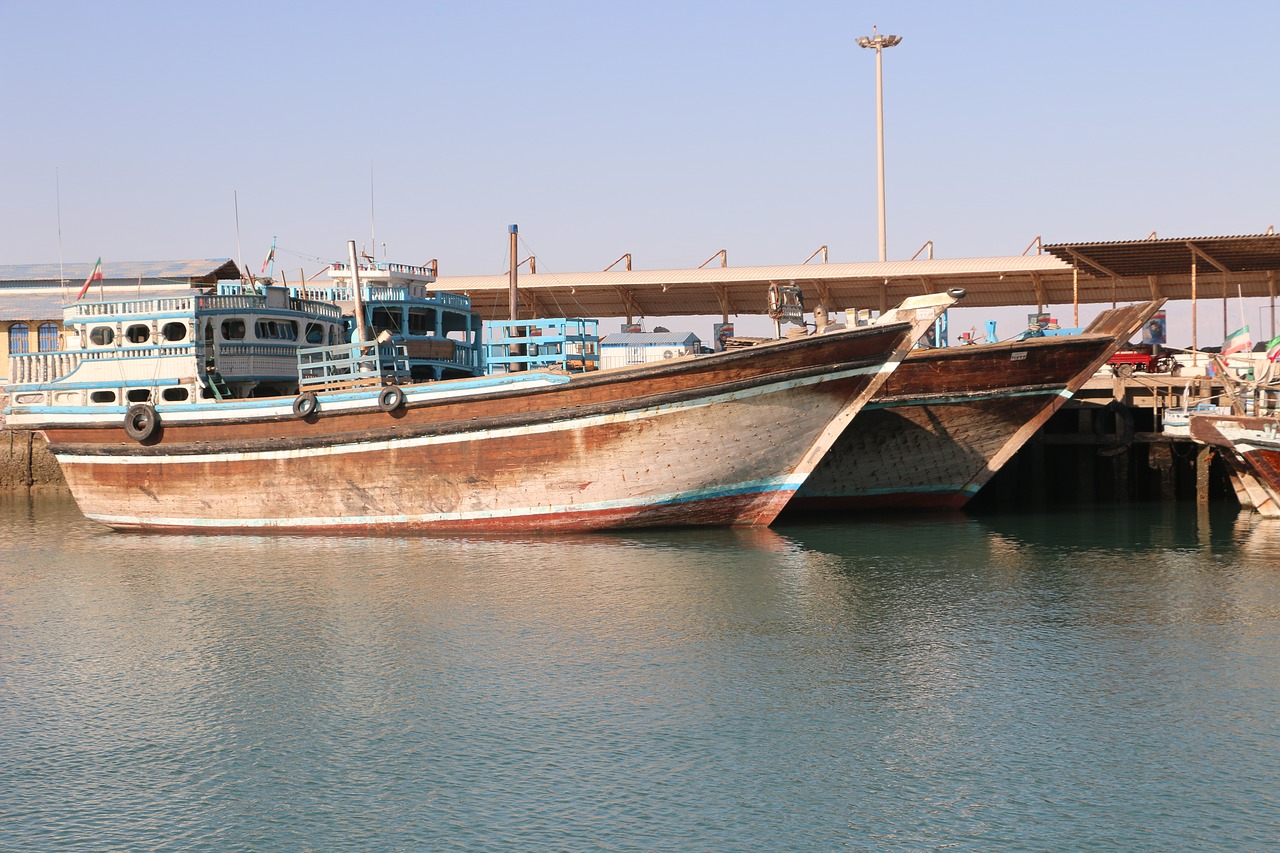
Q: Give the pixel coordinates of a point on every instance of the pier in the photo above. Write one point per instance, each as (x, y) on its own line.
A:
(1106, 445)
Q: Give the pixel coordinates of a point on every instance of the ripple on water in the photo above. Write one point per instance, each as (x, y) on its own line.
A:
(1026, 683)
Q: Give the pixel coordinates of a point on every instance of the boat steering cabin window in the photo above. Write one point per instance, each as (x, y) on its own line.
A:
(315, 334)
(102, 336)
(276, 330)
(233, 330)
(137, 334)
(174, 332)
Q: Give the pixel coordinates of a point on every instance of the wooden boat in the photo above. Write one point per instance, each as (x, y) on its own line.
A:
(947, 420)
(1250, 447)
(166, 433)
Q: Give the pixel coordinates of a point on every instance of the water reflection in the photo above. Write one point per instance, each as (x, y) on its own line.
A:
(916, 681)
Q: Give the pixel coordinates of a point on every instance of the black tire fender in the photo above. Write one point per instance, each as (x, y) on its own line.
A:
(306, 404)
(390, 398)
(141, 421)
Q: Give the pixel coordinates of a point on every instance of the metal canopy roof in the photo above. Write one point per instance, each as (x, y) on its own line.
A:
(744, 290)
(1174, 256)
(1070, 273)
(202, 271)
(44, 304)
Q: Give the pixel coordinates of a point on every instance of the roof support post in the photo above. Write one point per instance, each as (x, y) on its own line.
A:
(1197, 252)
(824, 294)
(1038, 284)
(1075, 293)
(884, 297)
(1153, 281)
(1224, 307)
(723, 255)
(722, 296)
(629, 303)
(1271, 295)
(1195, 315)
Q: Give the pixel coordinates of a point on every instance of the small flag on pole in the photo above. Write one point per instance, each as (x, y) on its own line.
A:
(1273, 348)
(96, 275)
(271, 256)
(1237, 341)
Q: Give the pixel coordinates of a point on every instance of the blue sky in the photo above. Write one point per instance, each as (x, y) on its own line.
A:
(668, 130)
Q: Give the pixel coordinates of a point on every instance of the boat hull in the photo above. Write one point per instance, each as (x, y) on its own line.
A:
(1251, 451)
(721, 440)
(948, 419)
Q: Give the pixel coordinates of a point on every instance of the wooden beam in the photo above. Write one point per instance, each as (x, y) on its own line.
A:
(825, 296)
(1196, 250)
(722, 297)
(1041, 299)
(629, 303)
(1084, 259)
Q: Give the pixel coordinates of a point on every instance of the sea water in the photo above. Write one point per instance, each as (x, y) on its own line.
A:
(1104, 678)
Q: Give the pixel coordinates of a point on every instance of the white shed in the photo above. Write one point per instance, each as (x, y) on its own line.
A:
(623, 348)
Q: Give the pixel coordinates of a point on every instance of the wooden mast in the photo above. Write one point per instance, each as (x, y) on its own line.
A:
(362, 329)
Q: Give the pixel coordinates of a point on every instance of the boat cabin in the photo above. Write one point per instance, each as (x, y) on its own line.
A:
(253, 339)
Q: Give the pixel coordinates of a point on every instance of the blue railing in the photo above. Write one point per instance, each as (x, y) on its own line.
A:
(566, 343)
(351, 365)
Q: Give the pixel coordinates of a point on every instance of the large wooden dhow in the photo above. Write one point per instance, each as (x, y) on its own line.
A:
(949, 418)
(721, 439)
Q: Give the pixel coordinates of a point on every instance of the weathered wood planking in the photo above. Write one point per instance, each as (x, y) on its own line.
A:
(721, 439)
(948, 419)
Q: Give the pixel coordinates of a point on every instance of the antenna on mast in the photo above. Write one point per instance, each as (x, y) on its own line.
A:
(373, 239)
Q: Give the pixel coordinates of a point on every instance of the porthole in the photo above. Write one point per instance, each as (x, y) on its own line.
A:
(233, 330)
(102, 336)
(137, 334)
(138, 395)
(175, 395)
(102, 397)
(174, 332)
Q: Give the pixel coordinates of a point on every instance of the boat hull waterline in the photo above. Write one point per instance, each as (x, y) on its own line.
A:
(722, 440)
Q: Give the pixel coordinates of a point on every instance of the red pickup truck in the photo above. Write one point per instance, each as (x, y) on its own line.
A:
(1142, 358)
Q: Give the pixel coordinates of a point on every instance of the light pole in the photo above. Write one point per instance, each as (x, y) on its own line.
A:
(880, 42)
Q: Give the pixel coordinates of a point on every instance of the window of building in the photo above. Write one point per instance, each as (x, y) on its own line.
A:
(19, 339)
(47, 337)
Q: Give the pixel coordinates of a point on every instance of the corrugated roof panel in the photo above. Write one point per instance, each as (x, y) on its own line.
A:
(1172, 256)
(211, 268)
(793, 272)
(46, 304)
(639, 339)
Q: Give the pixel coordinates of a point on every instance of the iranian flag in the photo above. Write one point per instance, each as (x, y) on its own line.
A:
(1237, 341)
(1273, 348)
(96, 275)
